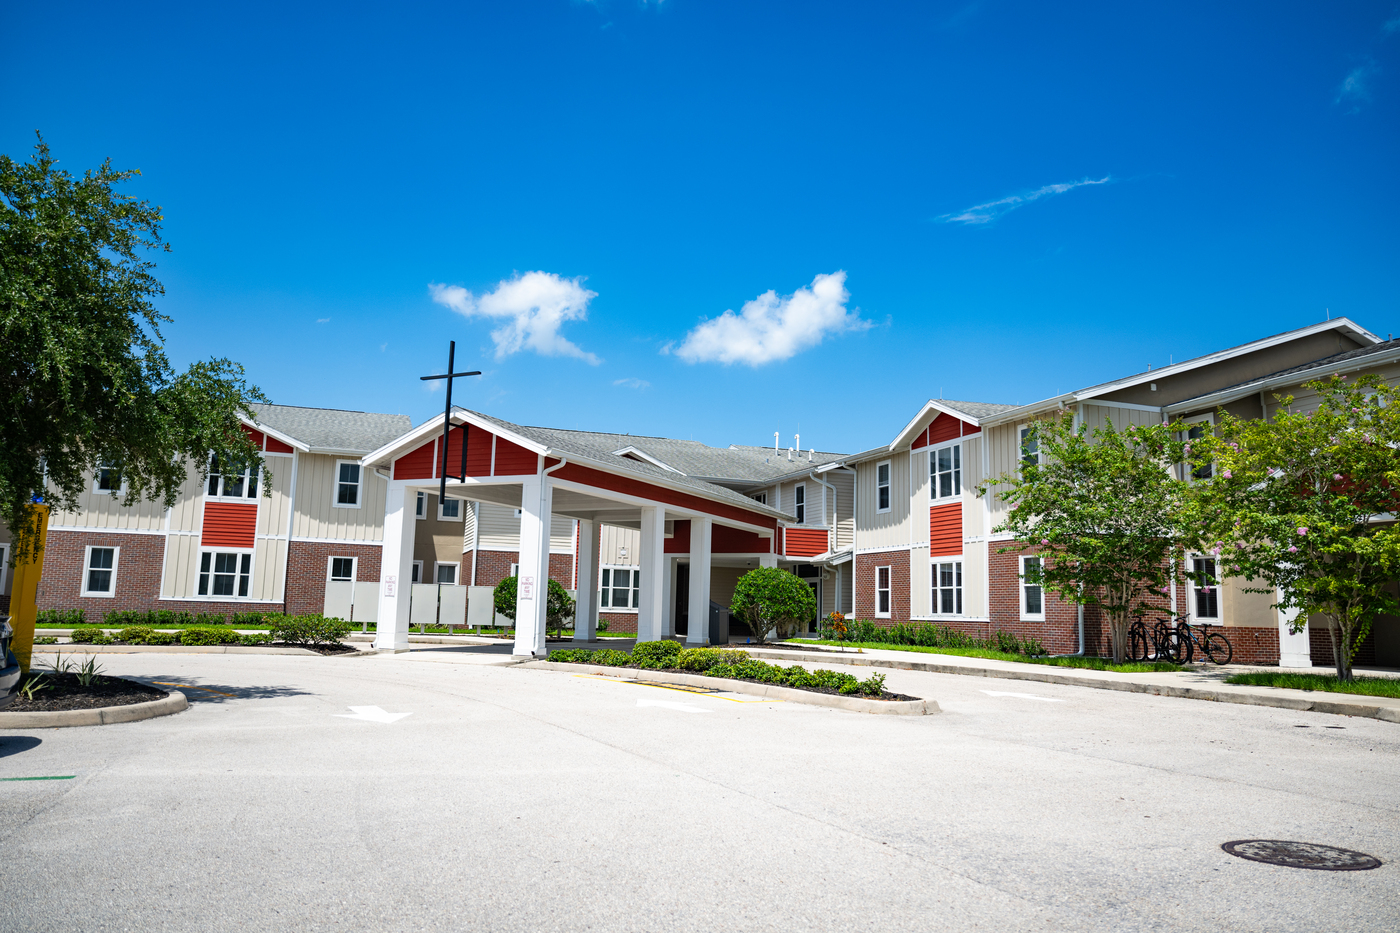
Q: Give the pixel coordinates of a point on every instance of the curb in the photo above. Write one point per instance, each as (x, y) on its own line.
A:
(1300, 700)
(790, 694)
(102, 716)
(167, 649)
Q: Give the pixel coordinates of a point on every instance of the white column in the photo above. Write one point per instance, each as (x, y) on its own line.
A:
(1293, 650)
(586, 613)
(651, 616)
(698, 628)
(533, 580)
(396, 568)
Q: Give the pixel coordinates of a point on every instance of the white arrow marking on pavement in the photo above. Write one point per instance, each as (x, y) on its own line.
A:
(681, 707)
(1021, 696)
(371, 714)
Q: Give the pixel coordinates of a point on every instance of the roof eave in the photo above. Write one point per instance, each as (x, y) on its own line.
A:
(1271, 382)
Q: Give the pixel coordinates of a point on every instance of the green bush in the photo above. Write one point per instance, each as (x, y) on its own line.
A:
(307, 630)
(163, 638)
(86, 636)
(769, 599)
(253, 639)
(46, 640)
(59, 616)
(137, 635)
(702, 659)
(656, 654)
(208, 636)
(558, 610)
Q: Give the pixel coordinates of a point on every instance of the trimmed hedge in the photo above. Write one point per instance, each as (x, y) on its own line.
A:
(59, 616)
(167, 618)
(722, 662)
(310, 631)
(925, 635)
(307, 630)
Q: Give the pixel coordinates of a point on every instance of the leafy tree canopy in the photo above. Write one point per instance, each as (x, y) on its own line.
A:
(84, 380)
(1103, 511)
(1302, 504)
(768, 598)
(559, 606)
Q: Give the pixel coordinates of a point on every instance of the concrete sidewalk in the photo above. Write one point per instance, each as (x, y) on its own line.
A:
(1197, 684)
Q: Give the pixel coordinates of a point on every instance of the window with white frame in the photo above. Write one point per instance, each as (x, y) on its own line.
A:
(882, 592)
(1199, 466)
(446, 573)
(882, 486)
(450, 510)
(1032, 589)
(420, 509)
(947, 587)
(515, 570)
(231, 479)
(100, 571)
(799, 499)
(760, 497)
(417, 571)
(1030, 446)
(619, 587)
(225, 573)
(945, 472)
(347, 484)
(1205, 591)
(342, 569)
(107, 479)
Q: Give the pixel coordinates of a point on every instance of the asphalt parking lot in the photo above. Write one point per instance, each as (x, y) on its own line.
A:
(433, 791)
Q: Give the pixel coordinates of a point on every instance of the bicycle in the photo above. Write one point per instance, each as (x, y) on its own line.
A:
(1214, 645)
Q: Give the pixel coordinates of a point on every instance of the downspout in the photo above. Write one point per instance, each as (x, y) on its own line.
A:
(831, 525)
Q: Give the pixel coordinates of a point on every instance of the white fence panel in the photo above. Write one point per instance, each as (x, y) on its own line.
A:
(452, 606)
(367, 603)
(339, 595)
(423, 606)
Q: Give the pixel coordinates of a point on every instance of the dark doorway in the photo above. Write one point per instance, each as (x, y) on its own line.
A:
(682, 613)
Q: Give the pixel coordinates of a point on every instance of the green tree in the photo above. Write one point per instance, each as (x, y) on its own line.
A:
(84, 380)
(1104, 512)
(1301, 504)
(559, 606)
(767, 598)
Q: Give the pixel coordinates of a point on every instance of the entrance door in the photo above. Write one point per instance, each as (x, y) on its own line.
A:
(682, 613)
(816, 586)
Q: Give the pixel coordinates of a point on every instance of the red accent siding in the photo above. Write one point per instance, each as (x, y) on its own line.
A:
(945, 427)
(478, 452)
(726, 540)
(416, 464)
(588, 476)
(274, 446)
(945, 534)
(257, 436)
(229, 524)
(805, 542)
(514, 460)
(679, 542)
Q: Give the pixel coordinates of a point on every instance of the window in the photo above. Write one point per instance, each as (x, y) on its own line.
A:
(230, 479)
(1030, 447)
(1205, 590)
(224, 573)
(107, 479)
(417, 571)
(882, 592)
(947, 587)
(945, 468)
(1200, 467)
(620, 588)
(447, 573)
(343, 568)
(515, 570)
(760, 497)
(450, 510)
(420, 509)
(100, 571)
(1032, 593)
(882, 487)
(347, 485)
(799, 499)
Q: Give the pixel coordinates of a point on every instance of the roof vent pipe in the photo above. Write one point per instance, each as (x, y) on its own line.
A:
(797, 442)
(811, 454)
(775, 442)
(789, 454)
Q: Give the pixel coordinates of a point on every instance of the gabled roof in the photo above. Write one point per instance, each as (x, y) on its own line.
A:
(1381, 353)
(972, 412)
(331, 430)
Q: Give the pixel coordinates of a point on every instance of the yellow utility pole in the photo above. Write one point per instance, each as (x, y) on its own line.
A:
(24, 610)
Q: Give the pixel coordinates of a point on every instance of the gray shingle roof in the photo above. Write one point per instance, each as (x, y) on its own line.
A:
(334, 429)
(681, 455)
(977, 409)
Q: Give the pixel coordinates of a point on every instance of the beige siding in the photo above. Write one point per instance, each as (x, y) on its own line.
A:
(1240, 608)
(975, 580)
(920, 583)
(919, 501)
(973, 525)
(272, 512)
(469, 525)
(1098, 417)
(561, 535)
(611, 541)
(269, 557)
(722, 583)
(845, 485)
(1004, 456)
(181, 566)
(318, 517)
(883, 529)
(437, 541)
(187, 514)
(500, 528)
(107, 511)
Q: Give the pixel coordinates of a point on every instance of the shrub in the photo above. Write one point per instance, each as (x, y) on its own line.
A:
(248, 619)
(656, 654)
(607, 657)
(702, 659)
(208, 636)
(307, 630)
(59, 616)
(602, 625)
(162, 638)
(137, 635)
(253, 639)
(86, 636)
(45, 640)
(769, 599)
(558, 609)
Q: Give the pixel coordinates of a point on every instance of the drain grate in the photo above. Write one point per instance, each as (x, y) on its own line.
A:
(1301, 855)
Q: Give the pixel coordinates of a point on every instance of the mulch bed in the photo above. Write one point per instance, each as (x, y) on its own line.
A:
(63, 692)
(884, 695)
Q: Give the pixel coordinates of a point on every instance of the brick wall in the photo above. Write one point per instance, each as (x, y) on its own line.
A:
(620, 622)
(1059, 633)
(864, 596)
(307, 565)
(137, 582)
(1320, 648)
(494, 566)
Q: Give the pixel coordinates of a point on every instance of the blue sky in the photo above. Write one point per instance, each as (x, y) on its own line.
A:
(992, 200)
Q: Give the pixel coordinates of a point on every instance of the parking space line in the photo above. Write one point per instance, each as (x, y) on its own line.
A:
(677, 688)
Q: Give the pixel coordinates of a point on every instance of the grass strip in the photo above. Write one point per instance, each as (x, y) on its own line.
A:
(172, 627)
(51, 777)
(1328, 683)
(1090, 664)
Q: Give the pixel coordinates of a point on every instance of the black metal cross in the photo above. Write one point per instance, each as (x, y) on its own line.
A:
(447, 420)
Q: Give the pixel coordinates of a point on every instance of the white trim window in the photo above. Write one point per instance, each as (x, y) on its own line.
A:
(1196, 468)
(340, 569)
(347, 484)
(1032, 591)
(799, 500)
(760, 497)
(229, 479)
(420, 510)
(450, 510)
(882, 592)
(1030, 446)
(445, 572)
(945, 472)
(225, 574)
(417, 571)
(882, 486)
(515, 570)
(107, 480)
(620, 587)
(100, 570)
(1205, 597)
(947, 587)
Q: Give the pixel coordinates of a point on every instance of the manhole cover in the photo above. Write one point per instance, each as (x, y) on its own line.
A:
(1301, 855)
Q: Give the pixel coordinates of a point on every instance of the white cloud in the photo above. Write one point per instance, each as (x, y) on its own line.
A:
(632, 382)
(770, 328)
(986, 213)
(1355, 89)
(532, 308)
(323, 320)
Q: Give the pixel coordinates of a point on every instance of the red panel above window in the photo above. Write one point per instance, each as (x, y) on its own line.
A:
(417, 464)
(257, 436)
(806, 542)
(945, 533)
(274, 446)
(229, 524)
(945, 427)
(514, 460)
